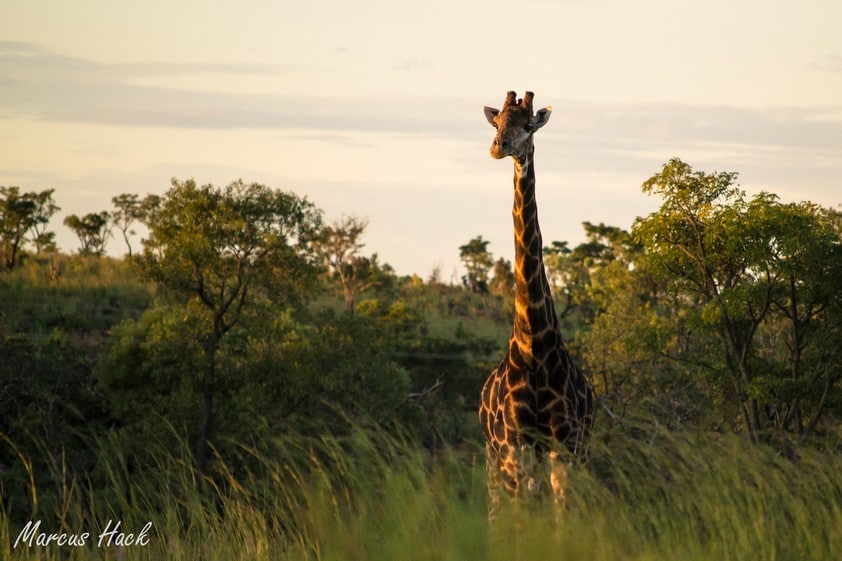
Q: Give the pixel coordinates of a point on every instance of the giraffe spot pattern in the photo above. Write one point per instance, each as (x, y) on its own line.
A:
(536, 390)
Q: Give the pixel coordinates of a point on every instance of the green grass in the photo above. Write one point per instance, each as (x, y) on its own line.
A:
(90, 295)
(647, 494)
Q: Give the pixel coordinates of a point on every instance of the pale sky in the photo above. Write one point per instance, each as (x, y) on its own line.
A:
(374, 107)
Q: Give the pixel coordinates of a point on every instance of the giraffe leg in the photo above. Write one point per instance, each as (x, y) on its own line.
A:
(506, 477)
(558, 482)
(493, 482)
(502, 475)
(528, 474)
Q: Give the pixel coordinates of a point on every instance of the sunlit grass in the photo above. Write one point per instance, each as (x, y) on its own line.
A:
(88, 294)
(647, 493)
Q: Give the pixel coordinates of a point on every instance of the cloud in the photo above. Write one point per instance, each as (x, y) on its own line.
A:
(582, 136)
(20, 48)
(72, 89)
(54, 87)
(35, 61)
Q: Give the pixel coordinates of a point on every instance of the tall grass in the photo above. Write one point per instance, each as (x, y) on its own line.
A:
(647, 493)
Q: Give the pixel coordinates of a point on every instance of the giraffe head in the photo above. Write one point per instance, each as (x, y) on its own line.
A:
(515, 125)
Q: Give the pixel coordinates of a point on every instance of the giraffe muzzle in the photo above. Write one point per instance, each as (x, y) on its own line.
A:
(500, 149)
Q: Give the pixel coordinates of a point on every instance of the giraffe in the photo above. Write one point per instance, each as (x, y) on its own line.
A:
(536, 400)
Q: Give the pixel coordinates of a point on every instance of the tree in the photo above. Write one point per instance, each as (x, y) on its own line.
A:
(693, 241)
(569, 270)
(92, 231)
(221, 250)
(45, 208)
(149, 208)
(339, 245)
(804, 331)
(16, 212)
(503, 282)
(22, 214)
(604, 245)
(478, 261)
(640, 352)
(128, 210)
(567, 276)
(740, 267)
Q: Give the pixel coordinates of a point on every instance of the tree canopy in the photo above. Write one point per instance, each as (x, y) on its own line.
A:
(218, 250)
(24, 217)
(478, 261)
(745, 269)
(92, 230)
(339, 245)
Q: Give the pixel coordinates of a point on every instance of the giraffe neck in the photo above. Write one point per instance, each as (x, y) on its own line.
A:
(535, 332)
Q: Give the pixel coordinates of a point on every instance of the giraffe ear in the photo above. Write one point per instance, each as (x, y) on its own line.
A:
(541, 117)
(490, 113)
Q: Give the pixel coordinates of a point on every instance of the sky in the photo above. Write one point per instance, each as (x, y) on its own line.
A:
(373, 108)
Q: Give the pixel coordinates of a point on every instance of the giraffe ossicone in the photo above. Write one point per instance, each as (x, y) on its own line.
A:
(536, 403)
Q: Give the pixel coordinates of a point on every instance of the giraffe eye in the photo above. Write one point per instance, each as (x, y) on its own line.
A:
(527, 127)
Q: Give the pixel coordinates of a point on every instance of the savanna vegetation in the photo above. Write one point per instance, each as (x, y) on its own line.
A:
(257, 386)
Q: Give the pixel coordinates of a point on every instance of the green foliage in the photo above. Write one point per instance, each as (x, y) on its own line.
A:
(801, 361)
(605, 244)
(569, 271)
(52, 333)
(339, 244)
(22, 215)
(478, 261)
(217, 244)
(742, 269)
(149, 207)
(280, 374)
(92, 231)
(149, 374)
(353, 372)
(565, 275)
(503, 282)
(128, 209)
(86, 297)
(45, 208)
(222, 251)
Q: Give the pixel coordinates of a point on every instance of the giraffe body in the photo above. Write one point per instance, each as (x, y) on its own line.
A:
(536, 401)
